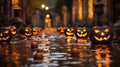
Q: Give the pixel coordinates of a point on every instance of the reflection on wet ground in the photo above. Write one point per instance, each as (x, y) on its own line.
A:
(59, 51)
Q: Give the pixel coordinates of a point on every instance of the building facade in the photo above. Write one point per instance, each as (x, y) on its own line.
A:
(84, 11)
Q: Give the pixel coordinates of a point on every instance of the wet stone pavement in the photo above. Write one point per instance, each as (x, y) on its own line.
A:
(58, 51)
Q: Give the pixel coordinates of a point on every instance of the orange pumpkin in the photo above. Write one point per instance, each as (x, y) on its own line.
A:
(69, 31)
(101, 34)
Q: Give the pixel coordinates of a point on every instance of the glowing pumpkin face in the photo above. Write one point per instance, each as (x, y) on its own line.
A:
(61, 29)
(27, 31)
(101, 34)
(35, 30)
(69, 32)
(13, 30)
(5, 34)
(81, 32)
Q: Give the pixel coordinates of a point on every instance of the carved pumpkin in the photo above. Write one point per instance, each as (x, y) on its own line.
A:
(61, 29)
(26, 31)
(69, 31)
(101, 34)
(5, 34)
(36, 30)
(13, 30)
(81, 32)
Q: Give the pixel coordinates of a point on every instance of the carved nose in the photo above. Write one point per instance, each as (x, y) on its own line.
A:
(102, 34)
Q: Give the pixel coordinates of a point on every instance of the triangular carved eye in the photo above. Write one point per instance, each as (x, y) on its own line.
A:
(26, 30)
(107, 30)
(84, 30)
(78, 30)
(97, 31)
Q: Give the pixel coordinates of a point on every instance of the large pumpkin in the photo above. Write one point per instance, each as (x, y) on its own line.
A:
(69, 31)
(81, 32)
(101, 34)
(5, 34)
(26, 31)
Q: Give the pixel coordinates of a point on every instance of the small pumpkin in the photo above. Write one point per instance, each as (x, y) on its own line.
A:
(5, 34)
(81, 32)
(69, 31)
(101, 34)
(61, 29)
(35, 30)
(26, 31)
(13, 30)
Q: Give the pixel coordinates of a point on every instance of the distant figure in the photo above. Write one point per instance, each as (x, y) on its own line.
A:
(35, 18)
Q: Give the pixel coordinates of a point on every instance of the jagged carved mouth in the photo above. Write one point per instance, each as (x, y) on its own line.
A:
(4, 38)
(102, 38)
(82, 35)
(68, 33)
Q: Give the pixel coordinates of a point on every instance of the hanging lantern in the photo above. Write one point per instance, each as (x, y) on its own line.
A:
(101, 34)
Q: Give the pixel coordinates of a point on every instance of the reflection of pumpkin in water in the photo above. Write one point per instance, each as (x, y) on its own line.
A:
(69, 40)
(5, 34)
(81, 32)
(102, 53)
(101, 34)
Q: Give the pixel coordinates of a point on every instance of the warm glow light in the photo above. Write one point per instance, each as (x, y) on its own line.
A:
(47, 16)
(68, 39)
(90, 9)
(80, 9)
(15, 4)
(106, 52)
(46, 8)
(43, 6)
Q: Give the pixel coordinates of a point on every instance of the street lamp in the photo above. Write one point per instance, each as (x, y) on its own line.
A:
(46, 8)
(99, 11)
(15, 4)
(43, 6)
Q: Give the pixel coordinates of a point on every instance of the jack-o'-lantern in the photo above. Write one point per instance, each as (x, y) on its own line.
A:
(13, 30)
(26, 31)
(69, 31)
(5, 34)
(36, 30)
(101, 34)
(81, 32)
(61, 29)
